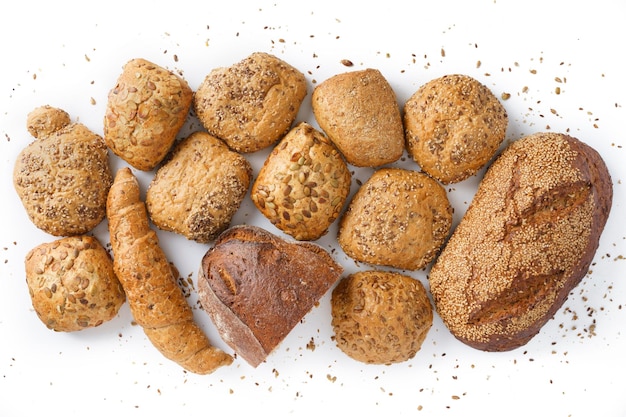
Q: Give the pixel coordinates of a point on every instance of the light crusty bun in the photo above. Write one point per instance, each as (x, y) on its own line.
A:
(256, 287)
(303, 184)
(359, 112)
(525, 242)
(398, 218)
(145, 111)
(380, 317)
(454, 126)
(251, 104)
(72, 284)
(198, 190)
(63, 177)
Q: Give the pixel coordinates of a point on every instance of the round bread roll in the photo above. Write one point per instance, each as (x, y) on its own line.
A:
(359, 112)
(145, 111)
(453, 126)
(63, 177)
(72, 284)
(251, 104)
(398, 218)
(380, 317)
(303, 184)
(199, 188)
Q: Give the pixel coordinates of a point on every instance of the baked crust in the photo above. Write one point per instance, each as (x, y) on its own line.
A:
(198, 190)
(72, 284)
(453, 126)
(526, 240)
(63, 177)
(256, 287)
(145, 111)
(303, 184)
(359, 112)
(380, 317)
(398, 218)
(251, 104)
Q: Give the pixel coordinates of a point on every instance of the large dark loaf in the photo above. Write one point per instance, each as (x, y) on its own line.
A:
(256, 287)
(526, 240)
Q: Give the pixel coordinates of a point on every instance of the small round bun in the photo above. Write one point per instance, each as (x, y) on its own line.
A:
(359, 112)
(251, 104)
(145, 111)
(380, 317)
(63, 177)
(200, 187)
(72, 284)
(398, 218)
(453, 127)
(303, 184)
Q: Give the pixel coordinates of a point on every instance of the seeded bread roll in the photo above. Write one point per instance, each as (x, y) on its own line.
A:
(380, 317)
(359, 112)
(525, 242)
(303, 184)
(454, 125)
(251, 104)
(398, 218)
(256, 287)
(197, 191)
(72, 284)
(145, 111)
(63, 177)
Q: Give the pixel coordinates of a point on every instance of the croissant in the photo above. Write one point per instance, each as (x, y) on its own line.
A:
(156, 302)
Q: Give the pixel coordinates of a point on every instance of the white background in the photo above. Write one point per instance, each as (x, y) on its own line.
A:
(69, 55)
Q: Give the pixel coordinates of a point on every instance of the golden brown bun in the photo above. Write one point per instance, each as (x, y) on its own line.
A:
(359, 112)
(303, 184)
(199, 188)
(380, 317)
(398, 218)
(256, 287)
(525, 242)
(156, 301)
(72, 284)
(145, 110)
(63, 177)
(251, 104)
(454, 126)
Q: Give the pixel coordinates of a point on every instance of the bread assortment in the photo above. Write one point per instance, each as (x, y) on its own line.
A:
(303, 184)
(525, 242)
(257, 287)
(398, 218)
(454, 125)
(156, 302)
(380, 317)
(63, 177)
(72, 284)
(251, 104)
(145, 110)
(527, 239)
(199, 188)
(359, 112)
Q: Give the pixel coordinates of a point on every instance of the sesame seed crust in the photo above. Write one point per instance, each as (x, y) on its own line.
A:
(398, 218)
(453, 127)
(526, 240)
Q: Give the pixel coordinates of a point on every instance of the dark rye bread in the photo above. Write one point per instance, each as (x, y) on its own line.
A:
(256, 287)
(525, 242)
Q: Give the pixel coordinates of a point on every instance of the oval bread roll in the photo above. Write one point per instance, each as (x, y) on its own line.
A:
(380, 317)
(453, 125)
(398, 218)
(525, 242)
(72, 284)
(198, 190)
